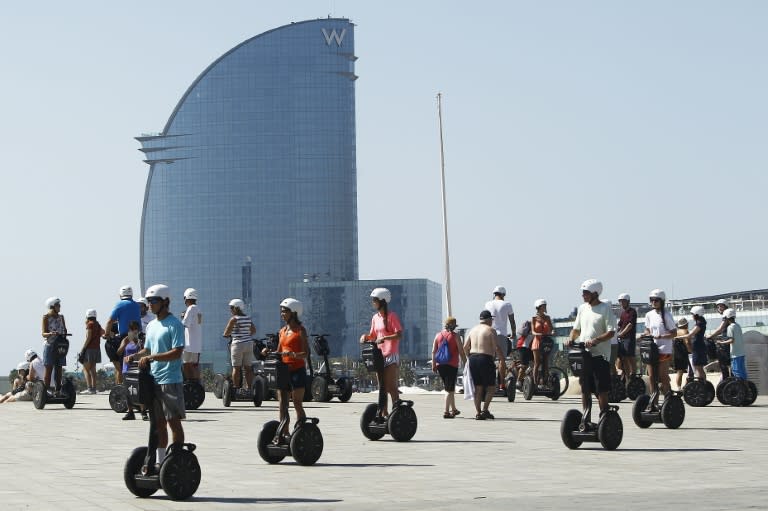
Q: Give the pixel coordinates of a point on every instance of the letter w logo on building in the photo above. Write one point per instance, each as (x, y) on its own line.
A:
(334, 35)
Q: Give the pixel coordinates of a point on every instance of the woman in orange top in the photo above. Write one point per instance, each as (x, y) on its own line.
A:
(541, 325)
(293, 341)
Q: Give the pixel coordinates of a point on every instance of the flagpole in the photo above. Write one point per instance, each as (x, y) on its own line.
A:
(445, 213)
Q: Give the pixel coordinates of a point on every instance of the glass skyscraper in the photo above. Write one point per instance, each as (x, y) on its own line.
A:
(252, 182)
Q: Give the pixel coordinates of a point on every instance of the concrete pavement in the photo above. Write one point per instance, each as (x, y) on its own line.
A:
(73, 460)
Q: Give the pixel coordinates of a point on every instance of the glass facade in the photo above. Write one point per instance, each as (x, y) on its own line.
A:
(252, 182)
(343, 310)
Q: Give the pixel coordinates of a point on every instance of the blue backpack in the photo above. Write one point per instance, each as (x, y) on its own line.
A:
(443, 354)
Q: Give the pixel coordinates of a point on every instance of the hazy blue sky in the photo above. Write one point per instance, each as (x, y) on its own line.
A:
(619, 140)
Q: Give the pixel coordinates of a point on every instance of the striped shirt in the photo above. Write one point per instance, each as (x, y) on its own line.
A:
(241, 332)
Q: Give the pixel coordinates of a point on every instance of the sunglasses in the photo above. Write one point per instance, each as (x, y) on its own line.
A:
(655, 300)
(154, 299)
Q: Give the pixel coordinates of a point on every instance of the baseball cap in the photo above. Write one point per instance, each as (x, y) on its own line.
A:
(486, 315)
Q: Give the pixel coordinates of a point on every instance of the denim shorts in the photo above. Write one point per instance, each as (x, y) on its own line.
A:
(739, 367)
(50, 358)
(299, 378)
(393, 358)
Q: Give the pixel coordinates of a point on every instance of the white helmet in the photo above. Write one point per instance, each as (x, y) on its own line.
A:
(23, 366)
(697, 310)
(729, 313)
(382, 293)
(126, 292)
(294, 305)
(538, 303)
(190, 294)
(50, 302)
(658, 293)
(592, 285)
(237, 303)
(90, 313)
(721, 302)
(30, 354)
(159, 290)
(499, 290)
(623, 296)
(143, 300)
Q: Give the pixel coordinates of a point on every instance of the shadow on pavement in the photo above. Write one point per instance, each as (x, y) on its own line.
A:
(273, 500)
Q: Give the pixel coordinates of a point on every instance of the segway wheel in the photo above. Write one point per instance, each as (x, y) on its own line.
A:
(71, 396)
(641, 403)
(402, 423)
(258, 391)
(554, 384)
(266, 436)
(308, 387)
(320, 389)
(635, 387)
(180, 474)
(695, 393)
(218, 383)
(734, 392)
(132, 468)
(672, 411)
(710, 393)
(610, 430)
(751, 394)
(720, 387)
(511, 389)
(307, 444)
(528, 388)
(194, 395)
(345, 384)
(118, 399)
(226, 393)
(569, 424)
(365, 420)
(39, 395)
(618, 392)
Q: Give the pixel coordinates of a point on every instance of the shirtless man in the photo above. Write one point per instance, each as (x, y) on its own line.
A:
(481, 347)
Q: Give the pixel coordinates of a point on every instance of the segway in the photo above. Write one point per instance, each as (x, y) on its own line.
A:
(635, 386)
(179, 473)
(577, 427)
(304, 443)
(402, 421)
(67, 394)
(118, 399)
(229, 393)
(646, 410)
(551, 387)
(697, 392)
(324, 386)
(510, 382)
(194, 394)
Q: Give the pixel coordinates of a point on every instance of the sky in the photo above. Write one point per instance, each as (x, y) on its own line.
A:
(623, 141)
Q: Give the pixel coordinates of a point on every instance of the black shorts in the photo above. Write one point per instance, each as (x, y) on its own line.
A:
(483, 369)
(700, 356)
(299, 378)
(599, 377)
(448, 374)
(525, 355)
(627, 347)
(679, 356)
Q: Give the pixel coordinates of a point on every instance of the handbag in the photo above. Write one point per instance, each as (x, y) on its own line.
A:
(443, 354)
(81, 357)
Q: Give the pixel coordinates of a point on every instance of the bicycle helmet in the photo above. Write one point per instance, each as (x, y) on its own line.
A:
(592, 285)
(237, 303)
(729, 313)
(382, 293)
(51, 302)
(500, 290)
(293, 305)
(90, 313)
(159, 290)
(538, 303)
(623, 296)
(30, 355)
(23, 366)
(658, 293)
(697, 310)
(143, 300)
(190, 294)
(126, 292)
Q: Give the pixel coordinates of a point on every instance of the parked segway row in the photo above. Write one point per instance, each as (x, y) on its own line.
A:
(179, 473)
(305, 442)
(66, 395)
(646, 410)
(402, 421)
(577, 427)
(324, 386)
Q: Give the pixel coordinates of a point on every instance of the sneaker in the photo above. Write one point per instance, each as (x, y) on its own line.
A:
(479, 417)
(129, 416)
(86, 391)
(93, 391)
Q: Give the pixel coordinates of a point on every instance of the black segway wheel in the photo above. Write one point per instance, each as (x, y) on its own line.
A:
(635, 387)
(751, 394)
(307, 444)
(710, 392)
(695, 393)
(672, 411)
(641, 403)
(266, 436)
(194, 395)
(719, 389)
(320, 389)
(569, 424)
(226, 393)
(610, 430)
(528, 388)
(365, 420)
(308, 388)
(345, 384)
(734, 392)
(618, 392)
(402, 423)
(39, 395)
(180, 474)
(554, 384)
(511, 389)
(218, 383)
(132, 468)
(118, 399)
(258, 391)
(68, 389)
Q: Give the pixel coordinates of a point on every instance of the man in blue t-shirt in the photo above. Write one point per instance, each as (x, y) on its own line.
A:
(125, 311)
(163, 348)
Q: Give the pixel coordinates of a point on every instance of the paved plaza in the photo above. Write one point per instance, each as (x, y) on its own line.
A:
(73, 460)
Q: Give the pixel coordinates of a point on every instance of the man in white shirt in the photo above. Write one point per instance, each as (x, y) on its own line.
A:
(192, 319)
(502, 312)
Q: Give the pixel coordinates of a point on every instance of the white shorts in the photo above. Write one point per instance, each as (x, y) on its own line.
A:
(242, 354)
(190, 357)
